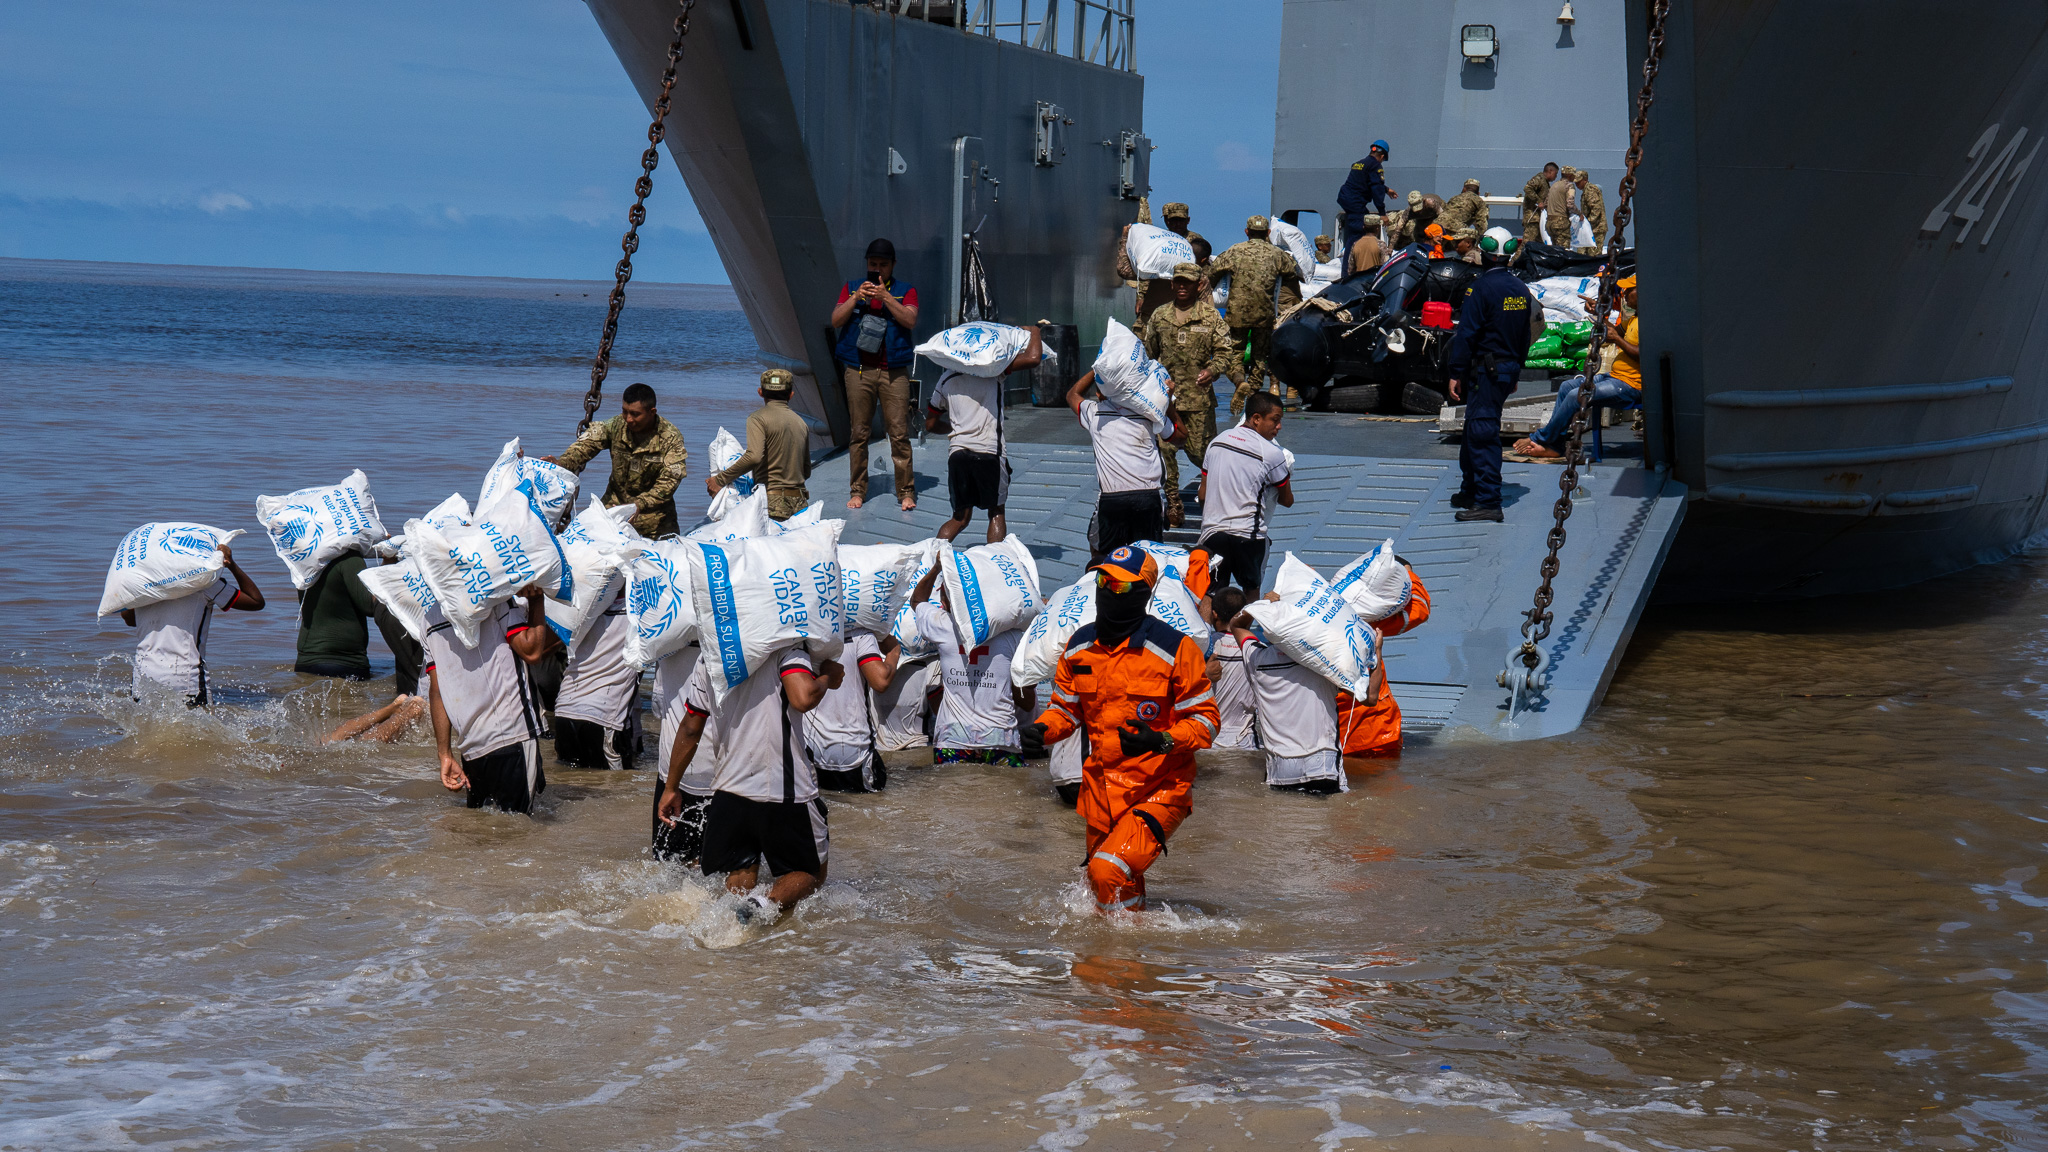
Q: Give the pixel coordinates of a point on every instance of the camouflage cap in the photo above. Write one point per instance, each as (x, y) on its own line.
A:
(778, 380)
(1466, 234)
(1414, 199)
(1174, 210)
(1256, 224)
(1187, 270)
(1372, 218)
(1472, 184)
(1568, 172)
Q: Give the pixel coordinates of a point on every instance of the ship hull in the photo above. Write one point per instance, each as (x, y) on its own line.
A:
(789, 117)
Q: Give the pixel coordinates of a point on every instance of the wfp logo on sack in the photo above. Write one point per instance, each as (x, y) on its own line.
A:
(651, 595)
(189, 543)
(973, 337)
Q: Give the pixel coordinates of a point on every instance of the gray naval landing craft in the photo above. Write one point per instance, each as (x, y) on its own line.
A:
(1830, 406)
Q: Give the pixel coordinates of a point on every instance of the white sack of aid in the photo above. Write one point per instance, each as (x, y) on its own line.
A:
(1314, 626)
(553, 486)
(915, 645)
(743, 519)
(473, 568)
(1038, 655)
(163, 561)
(978, 348)
(314, 527)
(659, 602)
(596, 546)
(1132, 380)
(1154, 251)
(404, 593)
(878, 579)
(754, 597)
(1295, 243)
(991, 588)
(1376, 585)
(726, 451)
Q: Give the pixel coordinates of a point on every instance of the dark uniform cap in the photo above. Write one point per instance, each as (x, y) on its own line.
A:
(1174, 210)
(1256, 224)
(778, 380)
(1187, 270)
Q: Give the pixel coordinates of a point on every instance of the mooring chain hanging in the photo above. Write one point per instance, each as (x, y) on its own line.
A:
(1530, 678)
(630, 243)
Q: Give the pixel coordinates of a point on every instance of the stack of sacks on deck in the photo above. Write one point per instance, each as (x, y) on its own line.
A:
(1038, 655)
(991, 588)
(1376, 585)
(472, 568)
(314, 527)
(400, 587)
(977, 348)
(163, 561)
(1132, 380)
(553, 486)
(1314, 625)
(596, 545)
(753, 597)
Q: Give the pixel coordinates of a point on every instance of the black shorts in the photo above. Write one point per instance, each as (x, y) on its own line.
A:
(581, 744)
(683, 840)
(1125, 518)
(872, 776)
(975, 480)
(738, 832)
(1244, 561)
(509, 778)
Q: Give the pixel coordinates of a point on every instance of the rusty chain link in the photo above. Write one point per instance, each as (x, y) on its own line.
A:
(1536, 626)
(630, 243)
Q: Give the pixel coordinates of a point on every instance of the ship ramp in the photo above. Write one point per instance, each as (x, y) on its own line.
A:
(1481, 576)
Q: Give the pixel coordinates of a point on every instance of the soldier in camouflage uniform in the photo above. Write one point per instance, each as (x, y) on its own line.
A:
(778, 449)
(1536, 194)
(1557, 212)
(649, 459)
(1466, 210)
(1594, 205)
(1153, 293)
(1189, 338)
(1256, 269)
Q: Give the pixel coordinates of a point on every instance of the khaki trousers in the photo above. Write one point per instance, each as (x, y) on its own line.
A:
(865, 388)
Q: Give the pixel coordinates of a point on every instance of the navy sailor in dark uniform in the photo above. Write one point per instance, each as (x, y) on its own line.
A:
(1365, 187)
(1499, 320)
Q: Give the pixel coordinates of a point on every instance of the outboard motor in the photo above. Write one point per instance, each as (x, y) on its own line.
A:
(1397, 283)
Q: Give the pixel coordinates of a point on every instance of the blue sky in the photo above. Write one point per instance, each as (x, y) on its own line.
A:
(449, 137)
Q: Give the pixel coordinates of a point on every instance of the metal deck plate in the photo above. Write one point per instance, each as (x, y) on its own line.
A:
(1480, 576)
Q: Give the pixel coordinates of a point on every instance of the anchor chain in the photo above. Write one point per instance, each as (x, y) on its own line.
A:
(637, 215)
(1531, 677)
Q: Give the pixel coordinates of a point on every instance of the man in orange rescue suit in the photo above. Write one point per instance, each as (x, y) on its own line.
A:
(1142, 692)
(1374, 730)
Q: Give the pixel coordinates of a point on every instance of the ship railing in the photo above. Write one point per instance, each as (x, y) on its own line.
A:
(1097, 31)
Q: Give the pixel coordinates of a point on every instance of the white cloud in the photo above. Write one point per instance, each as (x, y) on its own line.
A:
(1232, 156)
(219, 202)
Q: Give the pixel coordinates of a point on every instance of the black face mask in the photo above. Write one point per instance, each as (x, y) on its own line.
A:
(1118, 614)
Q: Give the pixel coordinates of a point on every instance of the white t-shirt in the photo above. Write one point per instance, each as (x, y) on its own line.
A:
(170, 641)
(973, 406)
(490, 699)
(1241, 465)
(1233, 695)
(1297, 708)
(672, 676)
(1126, 452)
(754, 735)
(599, 686)
(977, 710)
(839, 731)
(899, 708)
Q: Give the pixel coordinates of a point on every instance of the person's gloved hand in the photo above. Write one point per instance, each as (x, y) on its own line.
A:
(1138, 741)
(1031, 740)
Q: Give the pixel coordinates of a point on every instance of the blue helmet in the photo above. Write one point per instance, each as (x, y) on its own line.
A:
(1382, 146)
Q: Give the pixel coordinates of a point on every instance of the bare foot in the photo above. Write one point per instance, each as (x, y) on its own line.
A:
(909, 504)
(1533, 450)
(853, 501)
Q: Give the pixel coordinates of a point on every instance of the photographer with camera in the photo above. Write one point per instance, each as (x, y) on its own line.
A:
(875, 317)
